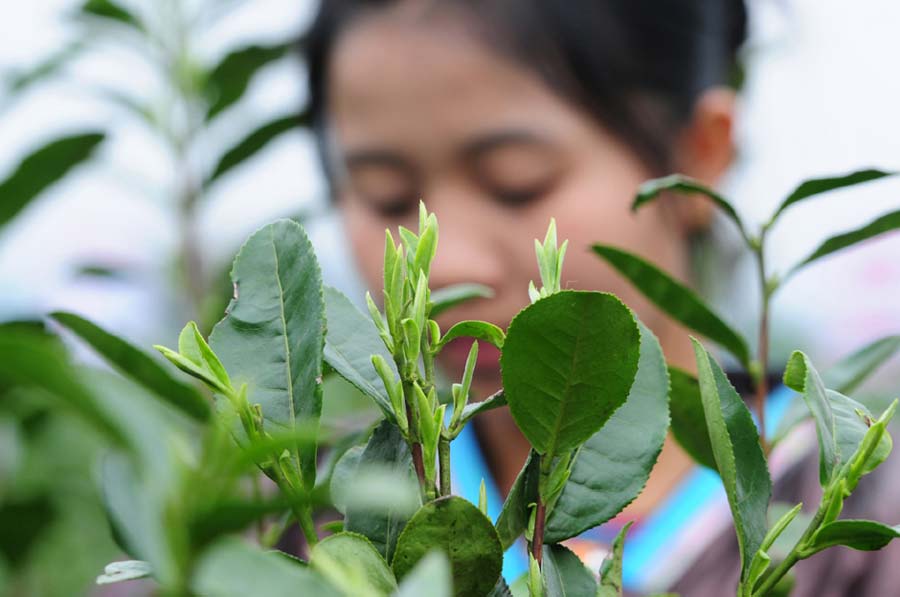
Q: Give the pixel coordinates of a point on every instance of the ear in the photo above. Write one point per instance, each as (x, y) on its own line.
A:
(705, 150)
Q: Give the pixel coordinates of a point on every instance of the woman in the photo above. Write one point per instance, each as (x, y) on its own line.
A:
(504, 113)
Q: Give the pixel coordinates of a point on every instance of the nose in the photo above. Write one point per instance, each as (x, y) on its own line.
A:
(468, 250)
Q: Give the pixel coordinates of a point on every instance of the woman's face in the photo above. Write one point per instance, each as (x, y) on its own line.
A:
(419, 109)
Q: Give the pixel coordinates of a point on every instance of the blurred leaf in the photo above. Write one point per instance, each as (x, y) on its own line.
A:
(611, 569)
(886, 223)
(350, 341)
(350, 561)
(565, 575)
(431, 577)
(20, 81)
(343, 474)
(613, 465)
(848, 373)
(388, 451)
(739, 456)
(513, 519)
(42, 168)
(815, 186)
(466, 536)
(651, 190)
(864, 535)
(479, 330)
(688, 419)
(673, 298)
(501, 589)
(22, 522)
(34, 361)
(234, 569)
(568, 363)
(448, 297)
(229, 79)
(125, 570)
(274, 333)
(107, 9)
(97, 270)
(230, 515)
(137, 365)
(254, 143)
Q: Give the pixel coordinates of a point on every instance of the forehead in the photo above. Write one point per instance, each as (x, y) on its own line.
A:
(425, 80)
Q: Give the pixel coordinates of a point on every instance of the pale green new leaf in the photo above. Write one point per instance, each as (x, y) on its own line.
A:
(479, 330)
(675, 299)
(568, 363)
(612, 467)
(739, 456)
(273, 335)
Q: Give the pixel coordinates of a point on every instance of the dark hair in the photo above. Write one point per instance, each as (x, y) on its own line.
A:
(637, 66)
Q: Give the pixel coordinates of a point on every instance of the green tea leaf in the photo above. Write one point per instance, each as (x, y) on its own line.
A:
(125, 570)
(24, 523)
(235, 569)
(565, 575)
(229, 79)
(568, 363)
(847, 374)
(673, 298)
(465, 534)
(350, 342)
(274, 333)
(651, 189)
(431, 577)
(513, 519)
(138, 366)
(387, 449)
(253, 143)
(739, 457)
(479, 330)
(802, 377)
(355, 562)
(107, 9)
(448, 297)
(475, 408)
(611, 570)
(612, 467)
(688, 418)
(42, 168)
(343, 474)
(864, 535)
(886, 223)
(815, 186)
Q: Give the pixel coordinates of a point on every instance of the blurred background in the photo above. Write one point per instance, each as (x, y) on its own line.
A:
(172, 129)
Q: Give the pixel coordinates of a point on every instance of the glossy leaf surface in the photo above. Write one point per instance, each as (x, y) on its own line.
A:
(350, 342)
(567, 364)
(273, 336)
(739, 456)
(612, 467)
(479, 330)
(675, 299)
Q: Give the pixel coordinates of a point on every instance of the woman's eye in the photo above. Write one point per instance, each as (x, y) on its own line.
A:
(519, 197)
(394, 207)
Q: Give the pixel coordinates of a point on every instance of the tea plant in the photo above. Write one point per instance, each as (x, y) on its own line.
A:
(583, 378)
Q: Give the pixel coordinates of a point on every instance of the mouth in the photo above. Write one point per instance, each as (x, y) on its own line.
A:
(454, 355)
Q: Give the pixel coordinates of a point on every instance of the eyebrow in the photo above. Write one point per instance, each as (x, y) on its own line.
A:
(492, 141)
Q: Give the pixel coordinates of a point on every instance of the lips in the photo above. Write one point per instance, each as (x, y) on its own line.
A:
(453, 356)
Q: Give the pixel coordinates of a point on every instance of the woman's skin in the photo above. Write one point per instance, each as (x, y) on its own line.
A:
(419, 107)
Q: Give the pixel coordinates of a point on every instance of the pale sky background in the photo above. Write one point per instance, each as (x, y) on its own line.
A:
(821, 99)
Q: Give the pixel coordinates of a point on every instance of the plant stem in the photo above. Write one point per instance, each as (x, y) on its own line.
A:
(796, 554)
(540, 511)
(303, 514)
(444, 458)
(762, 384)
